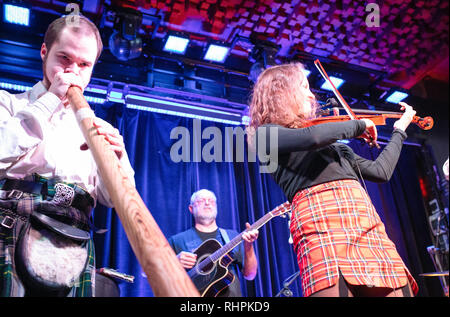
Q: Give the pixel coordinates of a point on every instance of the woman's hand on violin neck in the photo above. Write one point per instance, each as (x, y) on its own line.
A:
(370, 135)
(406, 118)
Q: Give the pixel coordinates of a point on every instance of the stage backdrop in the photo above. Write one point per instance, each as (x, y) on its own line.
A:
(243, 195)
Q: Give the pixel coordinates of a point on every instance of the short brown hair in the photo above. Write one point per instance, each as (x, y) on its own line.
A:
(85, 27)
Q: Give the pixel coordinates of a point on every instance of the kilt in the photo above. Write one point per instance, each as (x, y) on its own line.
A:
(21, 209)
(335, 228)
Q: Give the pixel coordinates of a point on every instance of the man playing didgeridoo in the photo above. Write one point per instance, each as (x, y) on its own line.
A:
(49, 179)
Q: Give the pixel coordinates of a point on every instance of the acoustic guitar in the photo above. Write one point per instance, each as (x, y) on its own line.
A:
(210, 274)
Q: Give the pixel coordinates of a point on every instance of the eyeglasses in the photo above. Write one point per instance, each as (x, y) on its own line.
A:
(202, 201)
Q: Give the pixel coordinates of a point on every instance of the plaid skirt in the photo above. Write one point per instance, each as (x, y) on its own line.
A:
(21, 209)
(335, 228)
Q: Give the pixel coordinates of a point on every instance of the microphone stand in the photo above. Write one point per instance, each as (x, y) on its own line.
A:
(286, 291)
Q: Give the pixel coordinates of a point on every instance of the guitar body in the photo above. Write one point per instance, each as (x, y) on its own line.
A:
(211, 278)
(210, 274)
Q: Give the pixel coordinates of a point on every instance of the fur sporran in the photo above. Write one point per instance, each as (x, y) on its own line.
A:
(49, 263)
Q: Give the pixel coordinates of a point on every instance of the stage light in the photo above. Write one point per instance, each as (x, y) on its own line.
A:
(115, 96)
(306, 72)
(124, 49)
(396, 96)
(96, 100)
(125, 43)
(96, 90)
(175, 108)
(15, 87)
(181, 114)
(22, 88)
(337, 82)
(263, 55)
(216, 53)
(176, 44)
(16, 15)
(245, 120)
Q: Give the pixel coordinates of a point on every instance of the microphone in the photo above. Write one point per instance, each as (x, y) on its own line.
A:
(331, 102)
(290, 240)
(286, 291)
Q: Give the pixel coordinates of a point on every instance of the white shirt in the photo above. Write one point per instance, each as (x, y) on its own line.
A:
(39, 135)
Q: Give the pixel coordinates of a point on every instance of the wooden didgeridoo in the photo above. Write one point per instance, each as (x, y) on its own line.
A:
(164, 272)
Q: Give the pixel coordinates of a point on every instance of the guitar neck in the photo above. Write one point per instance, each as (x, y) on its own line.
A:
(238, 239)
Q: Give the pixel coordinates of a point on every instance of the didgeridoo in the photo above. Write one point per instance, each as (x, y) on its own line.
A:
(164, 272)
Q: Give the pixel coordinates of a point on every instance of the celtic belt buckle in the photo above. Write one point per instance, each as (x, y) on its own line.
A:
(64, 195)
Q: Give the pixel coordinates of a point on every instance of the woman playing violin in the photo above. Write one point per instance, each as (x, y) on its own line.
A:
(341, 243)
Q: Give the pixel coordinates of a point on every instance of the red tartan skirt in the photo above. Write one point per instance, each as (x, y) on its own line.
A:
(335, 228)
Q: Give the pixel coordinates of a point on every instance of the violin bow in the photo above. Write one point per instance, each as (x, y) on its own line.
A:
(336, 92)
(341, 99)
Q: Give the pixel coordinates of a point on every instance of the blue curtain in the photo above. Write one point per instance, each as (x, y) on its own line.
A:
(244, 195)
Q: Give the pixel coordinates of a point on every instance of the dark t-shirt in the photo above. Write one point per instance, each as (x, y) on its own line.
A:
(191, 239)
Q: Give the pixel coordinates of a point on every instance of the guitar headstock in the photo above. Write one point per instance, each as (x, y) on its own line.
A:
(281, 209)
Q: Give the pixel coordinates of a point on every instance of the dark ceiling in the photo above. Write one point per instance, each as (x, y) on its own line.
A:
(410, 43)
(409, 48)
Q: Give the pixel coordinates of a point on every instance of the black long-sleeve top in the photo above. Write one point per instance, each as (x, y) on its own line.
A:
(310, 156)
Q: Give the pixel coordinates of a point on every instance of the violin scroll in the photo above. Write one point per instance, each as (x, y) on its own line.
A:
(425, 123)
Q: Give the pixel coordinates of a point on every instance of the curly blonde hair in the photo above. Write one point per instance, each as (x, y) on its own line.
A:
(277, 98)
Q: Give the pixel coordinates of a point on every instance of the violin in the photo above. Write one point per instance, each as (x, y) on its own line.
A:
(377, 117)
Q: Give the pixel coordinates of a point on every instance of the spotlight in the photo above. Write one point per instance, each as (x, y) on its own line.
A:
(263, 54)
(306, 72)
(245, 119)
(216, 53)
(337, 82)
(396, 96)
(125, 43)
(115, 96)
(15, 87)
(16, 14)
(124, 49)
(176, 44)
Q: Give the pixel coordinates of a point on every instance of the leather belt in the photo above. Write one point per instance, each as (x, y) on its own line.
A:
(64, 194)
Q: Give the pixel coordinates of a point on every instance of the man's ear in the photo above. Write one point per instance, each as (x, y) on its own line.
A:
(190, 208)
(43, 51)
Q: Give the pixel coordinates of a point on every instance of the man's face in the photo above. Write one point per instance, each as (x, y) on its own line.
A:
(204, 207)
(72, 52)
